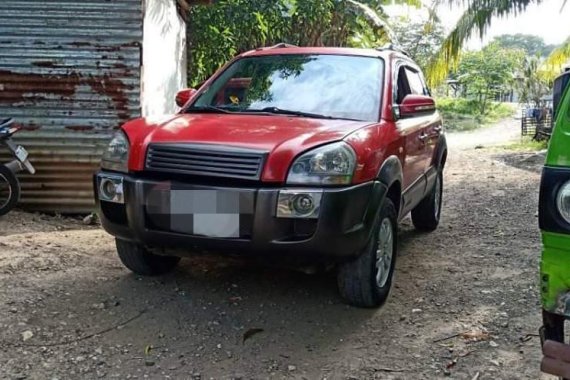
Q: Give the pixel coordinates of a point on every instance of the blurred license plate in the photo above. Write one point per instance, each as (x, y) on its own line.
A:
(21, 153)
(211, 213)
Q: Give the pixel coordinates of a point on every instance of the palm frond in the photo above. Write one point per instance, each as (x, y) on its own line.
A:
(374, 19)
(556, 61)
(476, 19)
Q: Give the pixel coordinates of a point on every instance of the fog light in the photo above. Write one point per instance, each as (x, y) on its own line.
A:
(299, 204)
(111, 189)
(303, 204)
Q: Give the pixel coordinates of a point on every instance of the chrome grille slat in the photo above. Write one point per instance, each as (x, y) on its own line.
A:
(205, 160)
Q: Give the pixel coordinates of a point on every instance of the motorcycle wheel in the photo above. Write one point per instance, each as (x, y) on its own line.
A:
(9, 190)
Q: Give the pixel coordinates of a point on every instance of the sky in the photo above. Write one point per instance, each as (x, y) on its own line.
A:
(546, 20)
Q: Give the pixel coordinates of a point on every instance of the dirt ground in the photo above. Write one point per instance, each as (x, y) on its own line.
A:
(69, 310)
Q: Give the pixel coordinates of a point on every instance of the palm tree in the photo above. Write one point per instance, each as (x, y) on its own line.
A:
(559, 56)
(477, 19)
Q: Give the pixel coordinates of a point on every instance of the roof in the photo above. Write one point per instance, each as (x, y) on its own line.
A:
(291, 49)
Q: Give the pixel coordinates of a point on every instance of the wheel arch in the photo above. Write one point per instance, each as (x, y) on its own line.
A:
(391, 176)
(440, 156)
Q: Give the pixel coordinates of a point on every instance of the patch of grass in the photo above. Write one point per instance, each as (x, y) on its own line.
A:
(527, 144)
(461, 114)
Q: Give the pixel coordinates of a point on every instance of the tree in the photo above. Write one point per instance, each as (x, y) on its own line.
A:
(531, 44)
(420, 38)
(557, 59)
(533, 84)
(476, 19)
(219, 32)
(488, 72)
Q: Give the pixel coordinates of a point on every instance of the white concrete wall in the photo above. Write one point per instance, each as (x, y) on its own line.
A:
(164, 57)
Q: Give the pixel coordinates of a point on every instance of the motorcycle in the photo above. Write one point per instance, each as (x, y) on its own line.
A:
(9, 183)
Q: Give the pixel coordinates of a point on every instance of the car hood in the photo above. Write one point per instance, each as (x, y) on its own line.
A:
(283, 137)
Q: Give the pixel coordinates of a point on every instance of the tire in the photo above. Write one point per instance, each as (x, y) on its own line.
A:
(140, 261)
(361, 282)
(426, 215)
(9, 190)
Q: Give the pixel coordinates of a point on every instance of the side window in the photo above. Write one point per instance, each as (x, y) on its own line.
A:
(402, 85)
(416, 82)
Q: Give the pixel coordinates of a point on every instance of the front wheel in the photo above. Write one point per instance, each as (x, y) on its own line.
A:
(140, 261)
(426, 215)
(9, 190)
(366, 281)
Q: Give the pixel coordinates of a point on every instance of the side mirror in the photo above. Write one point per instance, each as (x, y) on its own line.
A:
(183, 96)
(416, 105)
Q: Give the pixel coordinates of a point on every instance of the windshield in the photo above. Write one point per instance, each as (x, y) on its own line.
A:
(332, 86)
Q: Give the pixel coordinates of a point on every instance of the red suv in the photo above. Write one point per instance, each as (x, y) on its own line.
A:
(306, 155)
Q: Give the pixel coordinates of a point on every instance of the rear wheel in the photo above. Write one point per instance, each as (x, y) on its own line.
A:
(366, 281)
(140, 261)
(9, 190)
(426, 215)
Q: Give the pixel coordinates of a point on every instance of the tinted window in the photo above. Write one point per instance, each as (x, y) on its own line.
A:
(330, 85)
(416, 82)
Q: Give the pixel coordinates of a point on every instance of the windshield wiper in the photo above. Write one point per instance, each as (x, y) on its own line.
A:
(281, 111)
(212, 109)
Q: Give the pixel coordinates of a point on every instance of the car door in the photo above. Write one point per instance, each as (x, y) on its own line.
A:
(431, 122)
(412, 129)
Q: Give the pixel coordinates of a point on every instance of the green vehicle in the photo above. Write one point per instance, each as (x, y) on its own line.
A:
(554, 219)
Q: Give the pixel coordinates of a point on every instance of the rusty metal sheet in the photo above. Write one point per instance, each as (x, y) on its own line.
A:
(69, 74)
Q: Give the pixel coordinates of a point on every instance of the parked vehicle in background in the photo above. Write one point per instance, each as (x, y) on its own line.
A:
(554, 218)
(306, 155)
(9, 184)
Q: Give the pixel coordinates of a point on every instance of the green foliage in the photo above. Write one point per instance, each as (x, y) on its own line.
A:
(533, 85)
(486, 73)
(531, 44)
(527, 144)
(555, 62)
(460, 114)
(219, 32)
(475, 20)
(420, 38)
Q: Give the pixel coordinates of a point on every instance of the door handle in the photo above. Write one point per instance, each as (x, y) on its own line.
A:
(437, 129)
(423, 137)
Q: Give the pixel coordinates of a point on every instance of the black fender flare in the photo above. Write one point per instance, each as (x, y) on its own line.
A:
(440, 153)
(390, 171)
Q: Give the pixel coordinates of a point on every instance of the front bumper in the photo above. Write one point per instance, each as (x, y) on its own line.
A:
(340, 232)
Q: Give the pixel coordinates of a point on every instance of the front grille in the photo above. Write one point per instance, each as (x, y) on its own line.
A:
(205, 160)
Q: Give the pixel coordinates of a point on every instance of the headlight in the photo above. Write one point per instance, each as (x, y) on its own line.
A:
(331, 164)
(563, 201)
(116, 155)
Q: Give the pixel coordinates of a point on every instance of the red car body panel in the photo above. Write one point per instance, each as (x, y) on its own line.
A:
(282, 136)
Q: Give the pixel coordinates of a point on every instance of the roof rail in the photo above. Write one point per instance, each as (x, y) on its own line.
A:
(393, 47)
(280, 45)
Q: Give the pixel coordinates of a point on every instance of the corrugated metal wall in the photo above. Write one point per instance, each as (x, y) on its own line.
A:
(70, 74)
